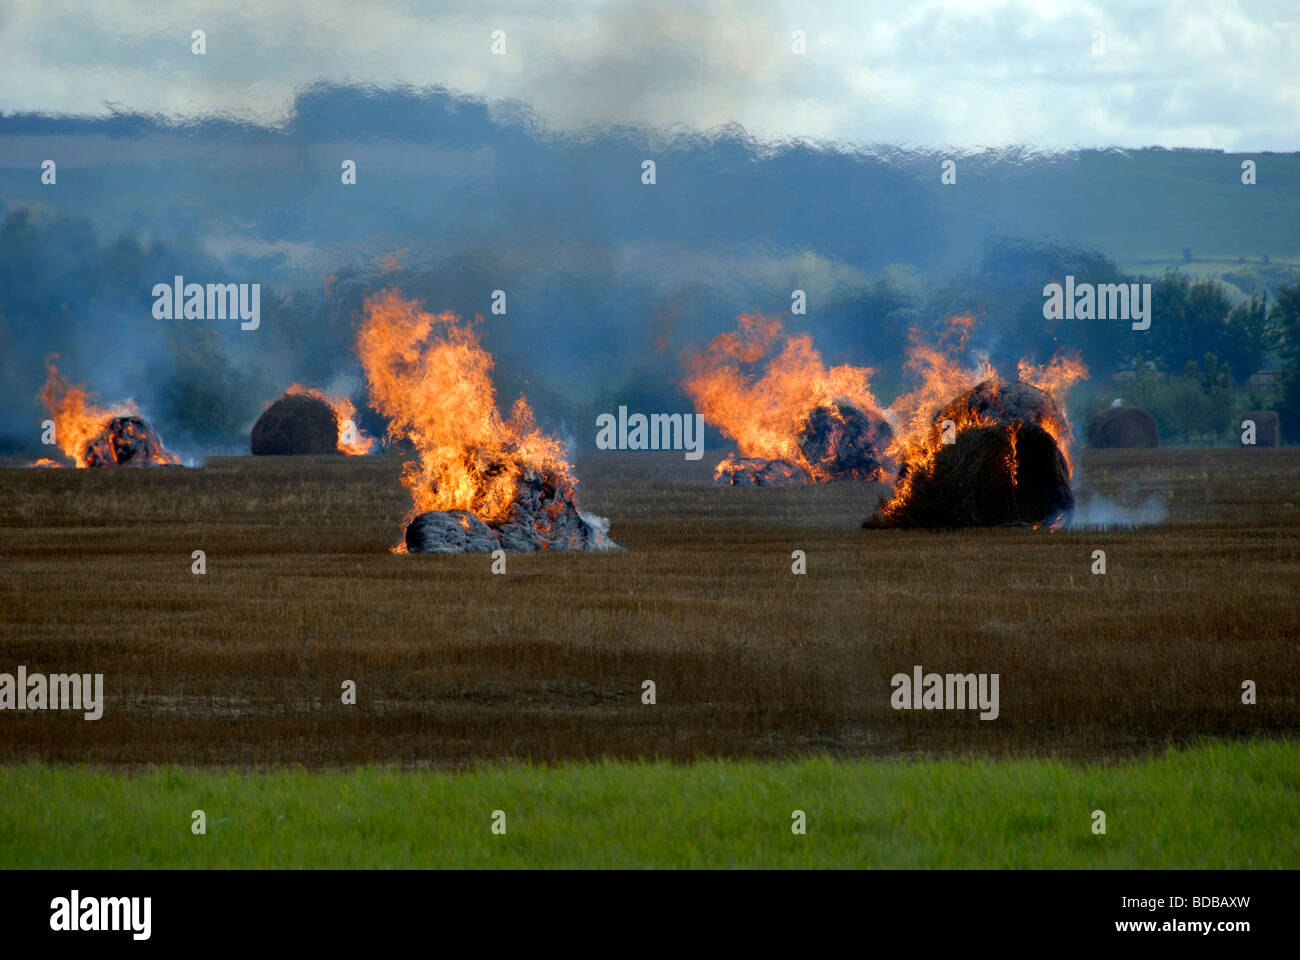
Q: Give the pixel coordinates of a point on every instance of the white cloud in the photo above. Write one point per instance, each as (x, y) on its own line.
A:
(1205, 73)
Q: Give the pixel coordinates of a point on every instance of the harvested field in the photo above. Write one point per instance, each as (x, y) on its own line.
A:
(243, 665)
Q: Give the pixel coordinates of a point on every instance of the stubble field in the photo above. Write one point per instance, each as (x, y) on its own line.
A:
(244, 665)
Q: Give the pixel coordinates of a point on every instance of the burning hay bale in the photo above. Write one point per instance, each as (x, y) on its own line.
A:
(480, 481)
(1120, 427)
(95, 437)
(843, 443)
(837, 441)
(990, 476)
(797, 422)
(309, 421)
(127, 442)
(1003, 464)
(543, 516)
(757, 472)
(975, 449)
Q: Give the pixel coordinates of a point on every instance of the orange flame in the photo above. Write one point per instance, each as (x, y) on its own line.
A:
(345, 413)
(1055, 378)
(429, 374)
(764, 416)
(78, 423)
(942, 377)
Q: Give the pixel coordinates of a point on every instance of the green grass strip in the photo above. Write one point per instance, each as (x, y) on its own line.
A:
(1221, 805)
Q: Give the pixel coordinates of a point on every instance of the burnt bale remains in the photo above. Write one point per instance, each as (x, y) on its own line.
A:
(1268, 427)
(127, 441)
(450, 531)
(296, 424)
(1120, 427)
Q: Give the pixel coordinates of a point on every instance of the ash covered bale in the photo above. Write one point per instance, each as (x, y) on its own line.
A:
(127, 441)
(1123, 427)
(296, 424)
(759, 472)
(1268, 427)
(451, 531)
(543, 516)
(840, 442)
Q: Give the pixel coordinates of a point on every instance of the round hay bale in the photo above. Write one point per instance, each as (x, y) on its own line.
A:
(1123, 427)
(1268, 427)
(127, 441)
(981, 480)
(296, 424)
(840, 442)
(1006, 402)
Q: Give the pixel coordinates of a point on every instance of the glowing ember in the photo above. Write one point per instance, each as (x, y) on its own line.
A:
(352, 440)
(795, 422)
(476, 470)
(94, 437)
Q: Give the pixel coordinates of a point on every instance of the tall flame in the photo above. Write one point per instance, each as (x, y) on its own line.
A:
(354, 443)
(429, 374)
(942, 376)
(1055, 378)
(764, 413)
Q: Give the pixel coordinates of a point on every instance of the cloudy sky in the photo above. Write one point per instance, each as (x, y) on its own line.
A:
(983, 73)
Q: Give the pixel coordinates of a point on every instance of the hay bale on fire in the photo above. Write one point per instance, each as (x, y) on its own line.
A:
(479, 481)
(127, 441)
(1123, 427)
(835, 442)
(757, 472)
(542, 515)
(844, 443)
(795, 420)
(92, 436)
(1002, 466)
(295, 424)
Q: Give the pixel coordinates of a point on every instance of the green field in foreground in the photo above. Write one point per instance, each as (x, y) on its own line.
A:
(1220, 805)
